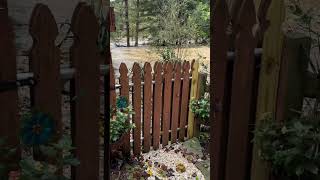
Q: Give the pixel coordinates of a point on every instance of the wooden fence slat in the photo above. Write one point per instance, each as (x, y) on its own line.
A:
(176, 102)
(219, 105)
(112, 88)
(241, 98)
(46, 95)
(157, 106)
(147, 107)
(193, 95)
(136, 78)
(269, 77)
(184, 100)
(85, 89)
(166, 116)
(124, 91)
(9, 99)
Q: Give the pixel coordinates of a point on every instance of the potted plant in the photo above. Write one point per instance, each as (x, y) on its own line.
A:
(119, 123)
(290, 148)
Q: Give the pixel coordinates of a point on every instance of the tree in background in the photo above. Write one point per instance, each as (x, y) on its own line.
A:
(126, 8)
(162, 22)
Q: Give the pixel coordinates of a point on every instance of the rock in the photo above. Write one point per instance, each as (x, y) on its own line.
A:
(180, 168)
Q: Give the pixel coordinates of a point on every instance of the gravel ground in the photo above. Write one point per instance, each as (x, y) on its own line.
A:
(171, 157)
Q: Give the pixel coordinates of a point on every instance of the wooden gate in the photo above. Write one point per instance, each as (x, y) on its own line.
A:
(160, 97)
(237, 29)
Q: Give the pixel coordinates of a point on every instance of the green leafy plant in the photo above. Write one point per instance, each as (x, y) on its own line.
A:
(201, 108)
(291, 148)
(170, 53)
(5, 154)
(119, 124)
(60, 152)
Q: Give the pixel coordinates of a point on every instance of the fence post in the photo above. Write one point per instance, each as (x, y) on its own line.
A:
(269, 75)
(193, 96)
(85, 90)
(9, 121)
(202, 85)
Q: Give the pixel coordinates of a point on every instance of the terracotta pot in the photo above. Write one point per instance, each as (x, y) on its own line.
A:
(116, 146)
(14, 175)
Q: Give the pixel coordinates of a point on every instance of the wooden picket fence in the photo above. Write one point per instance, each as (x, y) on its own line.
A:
(46, 78)
(160, 99)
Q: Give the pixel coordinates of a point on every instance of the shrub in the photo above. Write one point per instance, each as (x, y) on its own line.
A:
(201, 108)
(291, 148)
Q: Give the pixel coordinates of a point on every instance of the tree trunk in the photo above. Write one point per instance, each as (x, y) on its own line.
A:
(127, 21)
(137, 23)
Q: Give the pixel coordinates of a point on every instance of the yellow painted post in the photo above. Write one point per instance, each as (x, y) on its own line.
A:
(269, 76)
(193, 95)
(202, 85)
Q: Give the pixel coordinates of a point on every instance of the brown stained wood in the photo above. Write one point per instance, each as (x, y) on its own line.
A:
(112, 88)
(219, 105)
(176, 102)
(9, 121)
(157, 105)
(107, 147)
(124, 91)
(147, 107)
(166, 116)
(241, 98)
(136, 79)
(85, 107)
(45, 64)
(184, 100)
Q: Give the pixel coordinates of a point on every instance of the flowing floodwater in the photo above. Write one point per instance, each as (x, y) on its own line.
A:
(129, 55)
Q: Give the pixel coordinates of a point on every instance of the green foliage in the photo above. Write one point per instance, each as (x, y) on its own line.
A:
(168, 54)
(201, 108)
(291, 148)
(164, 22)
(30, 169)
(5, 154)
(303, 20)
(119, 124)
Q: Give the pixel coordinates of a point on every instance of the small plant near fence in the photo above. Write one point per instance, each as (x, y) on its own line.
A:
(119, 120)
(37, 138)
(201, 108)
(291, 148)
